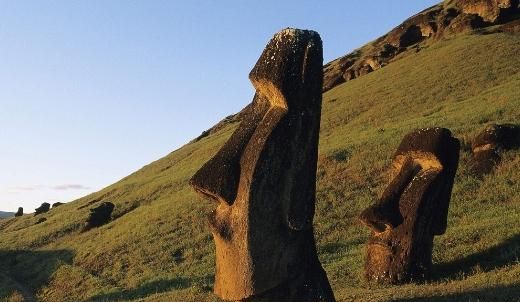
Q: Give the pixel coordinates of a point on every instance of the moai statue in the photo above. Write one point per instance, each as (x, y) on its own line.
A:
(43, 208)
(263, 181)
(19, 212)
(413, 208)
(99, 215)
(488, 145)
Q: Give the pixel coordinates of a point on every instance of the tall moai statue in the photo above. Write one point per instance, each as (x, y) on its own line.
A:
(19, 212)
(263, 181)
(413, 208)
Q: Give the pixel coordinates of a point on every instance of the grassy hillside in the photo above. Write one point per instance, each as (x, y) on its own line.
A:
(159, 248)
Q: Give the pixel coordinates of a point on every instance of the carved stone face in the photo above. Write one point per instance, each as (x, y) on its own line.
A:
(263, 179)
(489, 144)
(413, 208)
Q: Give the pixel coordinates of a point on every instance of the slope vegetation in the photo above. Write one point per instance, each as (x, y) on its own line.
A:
(158, 247)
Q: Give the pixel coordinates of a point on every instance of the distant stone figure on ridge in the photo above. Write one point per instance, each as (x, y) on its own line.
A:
(413, 208)
(44, 208)
(57, 204)
(19, 212)
(99, 215)
(488, 145)
(263, 181)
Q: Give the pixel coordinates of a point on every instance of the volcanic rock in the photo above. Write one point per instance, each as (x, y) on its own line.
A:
(489, 144)
(432, 24)
(99, 215)
(44, 208)
(41, 220)
(57, 204)
(263, 181)
(413, 208)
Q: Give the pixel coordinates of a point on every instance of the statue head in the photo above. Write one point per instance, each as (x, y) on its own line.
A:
(413, 208)
(263, 180)
(488, 145)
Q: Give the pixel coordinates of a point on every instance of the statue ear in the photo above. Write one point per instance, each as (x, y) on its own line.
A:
(302, 199)
(450, 164)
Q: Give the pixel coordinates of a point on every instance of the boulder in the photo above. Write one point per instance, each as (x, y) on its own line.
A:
(41, 220)
(263, 181)
(19, 212)
(413, 207)
(57, 204)
(489, 144)
(99, 215)
(44, 208)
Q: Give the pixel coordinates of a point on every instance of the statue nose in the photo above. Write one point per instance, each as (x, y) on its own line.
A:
(219, 178)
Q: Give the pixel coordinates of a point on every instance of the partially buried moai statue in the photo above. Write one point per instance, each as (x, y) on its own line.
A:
(489, 144)
(264, 181)
(413, 208)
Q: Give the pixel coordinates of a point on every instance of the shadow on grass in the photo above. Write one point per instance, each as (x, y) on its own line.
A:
(497, 294)
(154, 287)
(32, 269)
(503, 254)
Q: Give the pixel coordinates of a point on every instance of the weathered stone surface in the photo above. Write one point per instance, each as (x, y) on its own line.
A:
(488, 145)
(19, 212)
(264, 181)
(57, 204)
(432, 24)
(489, 10)
(44, 208)
(99, 215)
(413, 208)
(465, 23)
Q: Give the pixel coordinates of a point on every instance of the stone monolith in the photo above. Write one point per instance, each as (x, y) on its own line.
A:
(43, 208)
(413, 208)
(99, 215)
(263, 181)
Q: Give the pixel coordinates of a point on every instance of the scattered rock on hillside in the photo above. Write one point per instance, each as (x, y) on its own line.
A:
(413, 208)
(488, 145)
(41, 220)
(44, 208)
(434, 23)
(19, 212)
(57, 204)
(99, 215)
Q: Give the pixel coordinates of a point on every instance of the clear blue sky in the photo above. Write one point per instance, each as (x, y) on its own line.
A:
(91, 91)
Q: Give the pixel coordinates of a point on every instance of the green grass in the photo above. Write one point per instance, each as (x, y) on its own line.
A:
(160, 249)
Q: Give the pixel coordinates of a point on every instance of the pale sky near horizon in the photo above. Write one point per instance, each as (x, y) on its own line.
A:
(91, 91)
